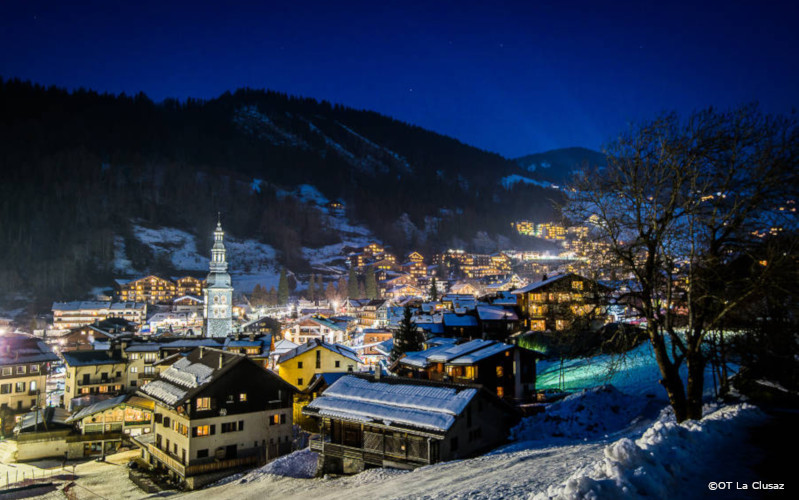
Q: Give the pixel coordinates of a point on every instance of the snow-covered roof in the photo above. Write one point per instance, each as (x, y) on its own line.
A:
(451, 319)
(400, 401)
(534, 286)
(190, 374)
(97, 407)
(494, 313)
(80, 305)
(314, 343)
(24, 348)
(456, 354)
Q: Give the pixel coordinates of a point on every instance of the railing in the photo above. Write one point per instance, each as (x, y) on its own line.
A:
(376, 449)
(167, 460)
(100, 381)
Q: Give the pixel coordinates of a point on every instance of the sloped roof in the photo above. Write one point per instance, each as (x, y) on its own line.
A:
(95, 357)
(20, 348)
(49, 418)
(398, 401)
(314, 343)
(495, 313)
(452, 319)
(189, 375)
(539, 284)
(456, 354)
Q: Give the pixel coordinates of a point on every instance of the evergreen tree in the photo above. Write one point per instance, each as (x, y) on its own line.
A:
(272, 298)
(433, 289)
(407, 338)
(283, 288)
(310, 294)
(361, 290)
(352, 284)
(370, 283)
(342, 288)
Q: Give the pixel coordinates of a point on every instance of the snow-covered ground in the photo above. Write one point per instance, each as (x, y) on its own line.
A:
(596, 452)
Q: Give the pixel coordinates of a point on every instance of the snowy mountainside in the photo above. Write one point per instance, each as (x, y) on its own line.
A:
(558, 165)
(251, 262)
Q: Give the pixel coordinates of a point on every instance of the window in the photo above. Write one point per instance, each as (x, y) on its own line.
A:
(241, 425)
(7, 371)
(282, 418)
(202, 404)
(167, 422)
(5, 389)
(228, 427)
(21, 370)
(500, 371)
(274, 419)
(20, 387)
(33, 386)
(501, 391)
(338, 363)
(349, 368)
(149, 369)
(318, 359)
(202, 453)
(453, 444)
(299, 364)
(243, 397)
(134, 369)
(200, 431)
(299, 382)
(577, 285)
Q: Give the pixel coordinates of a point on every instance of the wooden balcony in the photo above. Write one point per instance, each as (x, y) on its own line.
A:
(378, 450)
(205, 465)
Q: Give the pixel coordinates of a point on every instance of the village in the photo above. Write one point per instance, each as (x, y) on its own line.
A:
(410, 368)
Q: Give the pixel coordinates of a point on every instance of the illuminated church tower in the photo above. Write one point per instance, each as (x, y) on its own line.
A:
(218, 312)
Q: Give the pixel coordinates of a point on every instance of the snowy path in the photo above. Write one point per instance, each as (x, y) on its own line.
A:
(500, 475)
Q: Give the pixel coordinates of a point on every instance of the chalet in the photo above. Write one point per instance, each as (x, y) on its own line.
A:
(151, 289)
(257, 348)
(215, 411)
(415, 269)
(314, 327)
(103, 425)
(68, 315)
(506, 370)
(553, 303)
(374, 314)
(497, 322)
(189, 286)
(464, 288)
(24, 364)
(403, 423)
(461, 325)
(83, 338)
(299, 365)
(188, 304)
(401, 291)
(415, 257)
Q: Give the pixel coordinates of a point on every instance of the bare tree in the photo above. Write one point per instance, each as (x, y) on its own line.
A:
(677, 201)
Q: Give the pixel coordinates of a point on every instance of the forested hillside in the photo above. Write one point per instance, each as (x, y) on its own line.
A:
(79, 166)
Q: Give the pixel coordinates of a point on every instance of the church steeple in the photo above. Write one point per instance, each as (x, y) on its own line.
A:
(218, 257)
(218, 311)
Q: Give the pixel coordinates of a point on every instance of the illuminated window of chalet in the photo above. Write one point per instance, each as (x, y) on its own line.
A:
(21, 370)
(202, 404)
(243, 397)
(501, 392)
(274, 419)
(34, 368)
(500, 371)
(202, 430)
(577, 285)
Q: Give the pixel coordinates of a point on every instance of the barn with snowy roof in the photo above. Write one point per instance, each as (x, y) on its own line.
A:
(371, 421)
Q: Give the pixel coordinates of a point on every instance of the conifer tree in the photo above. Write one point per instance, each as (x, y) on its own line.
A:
(352, 284)
(370, 283)
(407, 338)
(433, 289)
(311, 292)
(283, 288)
(342, 288)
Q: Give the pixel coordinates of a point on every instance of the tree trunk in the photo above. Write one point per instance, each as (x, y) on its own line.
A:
(695, 362)
(671, 377)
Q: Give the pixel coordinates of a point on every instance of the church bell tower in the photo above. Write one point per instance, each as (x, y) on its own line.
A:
(218, 311)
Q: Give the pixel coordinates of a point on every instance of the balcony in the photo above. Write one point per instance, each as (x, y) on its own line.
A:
(250, 456)
(100, 381)
(379, 450)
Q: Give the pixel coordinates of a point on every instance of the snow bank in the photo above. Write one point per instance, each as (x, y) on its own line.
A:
(300, 464)
(589, 413)
(664, 458)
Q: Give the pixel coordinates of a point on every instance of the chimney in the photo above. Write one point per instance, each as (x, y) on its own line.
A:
(201, 352)
(221, 360)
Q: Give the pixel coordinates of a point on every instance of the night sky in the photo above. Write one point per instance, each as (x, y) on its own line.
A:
(513, 77)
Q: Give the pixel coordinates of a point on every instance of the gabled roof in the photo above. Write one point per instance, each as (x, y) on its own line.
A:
(49, 418)
(189, 375)
(313, 344)
(18, 348)
(540, 284)
(97, 408)
(495, 313)
(456, 354)
(393, 401)
(325, 379)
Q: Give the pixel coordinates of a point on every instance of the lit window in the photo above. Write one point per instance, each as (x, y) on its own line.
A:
(203, 404)
(243, 397)
(202, 430)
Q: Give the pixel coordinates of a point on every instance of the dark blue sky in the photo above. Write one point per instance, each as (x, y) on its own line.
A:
(512, 77)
